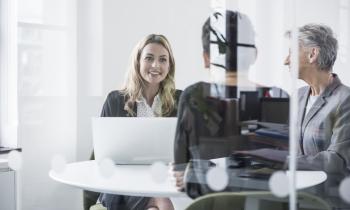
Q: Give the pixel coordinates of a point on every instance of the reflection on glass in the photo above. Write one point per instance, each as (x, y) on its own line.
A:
(217, 119)
(214, 121)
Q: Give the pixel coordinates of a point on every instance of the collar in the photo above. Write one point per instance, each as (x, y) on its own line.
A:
(331, 87)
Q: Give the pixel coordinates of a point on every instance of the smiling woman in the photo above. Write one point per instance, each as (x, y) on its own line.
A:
(152, 71)
(154, 65)
(149, 91)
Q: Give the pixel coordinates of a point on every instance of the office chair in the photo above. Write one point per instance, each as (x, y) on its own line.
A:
(254, 200)
(307, 201)
(98, 207)
(89, 197)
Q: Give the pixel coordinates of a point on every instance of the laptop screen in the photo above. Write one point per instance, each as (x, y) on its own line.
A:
(274, 110)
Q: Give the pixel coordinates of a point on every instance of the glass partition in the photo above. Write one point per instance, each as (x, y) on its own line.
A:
(324, 142)
(236, 125)
(262, 114)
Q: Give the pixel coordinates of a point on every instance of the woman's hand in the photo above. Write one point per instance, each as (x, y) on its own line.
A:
(178, 178)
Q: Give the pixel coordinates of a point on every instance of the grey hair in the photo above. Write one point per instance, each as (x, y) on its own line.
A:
(321, 37)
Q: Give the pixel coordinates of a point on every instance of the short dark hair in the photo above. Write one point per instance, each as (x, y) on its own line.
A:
(227, 43)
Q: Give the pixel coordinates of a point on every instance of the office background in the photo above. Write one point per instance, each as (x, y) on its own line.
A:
(72, 53)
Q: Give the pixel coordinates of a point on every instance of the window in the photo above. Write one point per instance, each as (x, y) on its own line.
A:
(8, 74)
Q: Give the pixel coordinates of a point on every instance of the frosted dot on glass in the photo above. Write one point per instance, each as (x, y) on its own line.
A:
(217, 178)
(15, 160)
(279, 184)
(58, 163)
(344, 189)
(159, 172)
(106, 168)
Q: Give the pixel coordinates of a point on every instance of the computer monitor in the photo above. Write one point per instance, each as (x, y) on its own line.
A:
(231, 117)
(249, 104)
(274, 110)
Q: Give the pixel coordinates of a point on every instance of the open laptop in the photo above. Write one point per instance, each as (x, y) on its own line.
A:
(134, 140)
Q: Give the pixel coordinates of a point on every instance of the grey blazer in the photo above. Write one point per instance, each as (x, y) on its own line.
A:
(324, 133)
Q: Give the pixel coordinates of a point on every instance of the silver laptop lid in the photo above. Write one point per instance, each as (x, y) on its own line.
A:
(134, 140)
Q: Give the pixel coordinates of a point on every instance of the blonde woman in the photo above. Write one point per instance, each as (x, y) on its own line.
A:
(149, 91)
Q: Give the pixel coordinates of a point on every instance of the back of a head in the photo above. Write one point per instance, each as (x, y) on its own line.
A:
(237, 33)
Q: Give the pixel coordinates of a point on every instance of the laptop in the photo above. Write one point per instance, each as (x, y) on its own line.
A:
(134, 140)
(274, 118)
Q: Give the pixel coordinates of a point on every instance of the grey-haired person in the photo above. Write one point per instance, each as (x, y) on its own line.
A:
(324, 105)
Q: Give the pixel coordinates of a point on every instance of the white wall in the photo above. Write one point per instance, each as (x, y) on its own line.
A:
(125, 23)
(90, 71)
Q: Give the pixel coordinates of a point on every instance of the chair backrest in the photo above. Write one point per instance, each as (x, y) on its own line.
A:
(307, 201)
(98, 207)
(254, 200)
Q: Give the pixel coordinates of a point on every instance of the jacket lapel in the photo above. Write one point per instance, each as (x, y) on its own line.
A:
(303, 96)
(317, 106)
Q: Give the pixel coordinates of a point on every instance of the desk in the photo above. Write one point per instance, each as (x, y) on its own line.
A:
(304, 179)
(133, 180)
(6, 150)
(136, 180)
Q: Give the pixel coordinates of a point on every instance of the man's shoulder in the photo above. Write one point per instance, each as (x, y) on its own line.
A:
(178, 93)
(195, 87)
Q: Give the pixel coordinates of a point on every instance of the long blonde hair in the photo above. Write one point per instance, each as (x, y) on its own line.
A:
(134, 82)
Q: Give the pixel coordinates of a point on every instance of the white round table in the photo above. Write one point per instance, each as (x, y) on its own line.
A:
(133, 180)
(137, 180)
